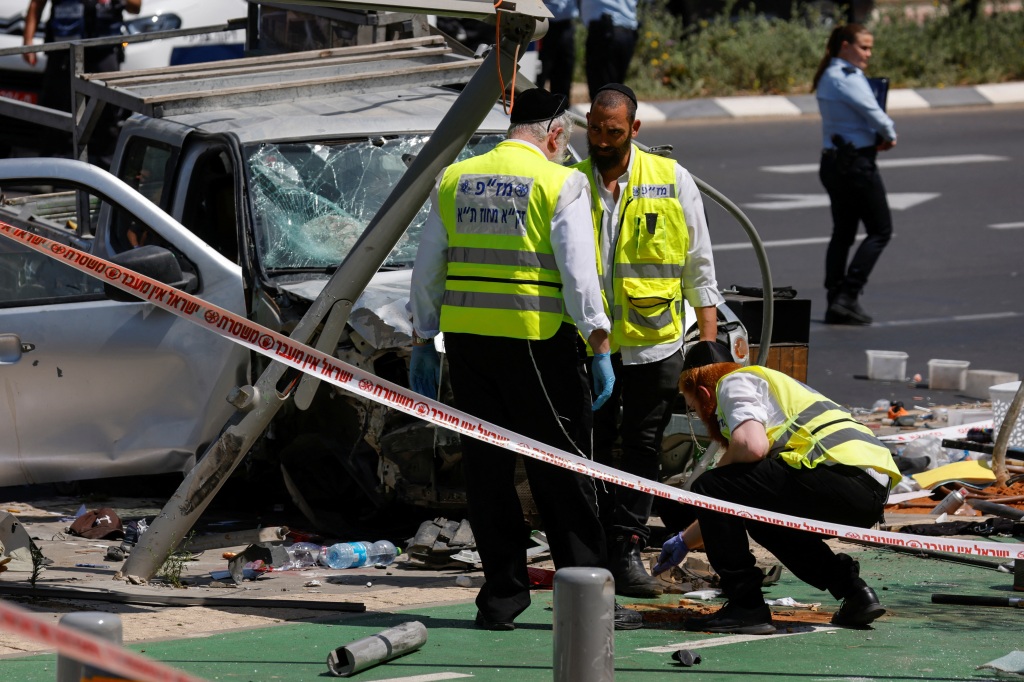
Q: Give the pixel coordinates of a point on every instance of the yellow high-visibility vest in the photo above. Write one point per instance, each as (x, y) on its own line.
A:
(816, 429)
(648, 254)
(502, 276)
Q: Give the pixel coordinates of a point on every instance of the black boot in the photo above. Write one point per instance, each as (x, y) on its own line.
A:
(846, 310)
(627, 567)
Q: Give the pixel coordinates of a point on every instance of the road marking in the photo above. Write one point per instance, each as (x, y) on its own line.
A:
(897, 163)
(898, 201)
(427, 678)
(1006, 226)
(736, 639)
(739, 246)
(981, 317)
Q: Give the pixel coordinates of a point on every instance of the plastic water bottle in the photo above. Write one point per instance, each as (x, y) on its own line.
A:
(301, 555)
(383, 553)
(356, 554)
(347, 554)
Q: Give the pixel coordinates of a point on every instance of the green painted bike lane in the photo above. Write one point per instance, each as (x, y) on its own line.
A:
(916, 640)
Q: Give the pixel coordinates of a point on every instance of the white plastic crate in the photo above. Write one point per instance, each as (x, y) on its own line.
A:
(947, 374)
(887, 365)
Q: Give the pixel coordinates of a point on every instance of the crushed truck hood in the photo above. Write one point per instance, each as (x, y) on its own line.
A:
(380, 315)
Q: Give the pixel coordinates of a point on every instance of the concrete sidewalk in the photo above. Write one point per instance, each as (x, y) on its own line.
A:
(757, 106)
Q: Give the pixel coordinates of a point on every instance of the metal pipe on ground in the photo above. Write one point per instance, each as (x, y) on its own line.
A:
(380, 648)
(583, 634)
(982, 600)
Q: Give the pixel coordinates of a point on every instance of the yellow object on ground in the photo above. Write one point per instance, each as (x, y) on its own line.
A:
(967, 471)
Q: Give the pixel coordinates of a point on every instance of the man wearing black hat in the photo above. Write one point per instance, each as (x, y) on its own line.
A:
(505, 258)
(654, 252)
(790, 450)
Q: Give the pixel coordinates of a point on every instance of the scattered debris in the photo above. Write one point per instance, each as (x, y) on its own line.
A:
(686, 658)
(380, 648)
(1012, 662)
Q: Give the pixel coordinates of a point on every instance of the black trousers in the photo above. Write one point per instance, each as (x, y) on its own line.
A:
(857, 194)
(646, 393)
(558, 57)
(838, 494)
(609, 50)
(537, 389)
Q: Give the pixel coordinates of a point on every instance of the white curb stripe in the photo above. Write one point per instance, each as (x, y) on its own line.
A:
(1002, 93)
(901, 100)
(758, 105)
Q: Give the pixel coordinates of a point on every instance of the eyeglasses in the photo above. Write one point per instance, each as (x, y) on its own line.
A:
(560, 103)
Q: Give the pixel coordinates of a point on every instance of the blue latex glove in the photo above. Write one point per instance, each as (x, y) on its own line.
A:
(604, 378)
(425, 370)
(672, 554)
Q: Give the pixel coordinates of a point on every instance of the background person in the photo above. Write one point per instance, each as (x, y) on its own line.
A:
(654, 251)
(854, 128)
(558, 47)
(506, 253)
(611, 39)
(789, 450)
(75, 20)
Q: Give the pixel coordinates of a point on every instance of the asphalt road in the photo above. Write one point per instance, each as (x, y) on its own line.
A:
(950, 285)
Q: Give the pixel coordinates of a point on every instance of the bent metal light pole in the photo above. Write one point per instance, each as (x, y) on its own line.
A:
(258, 404)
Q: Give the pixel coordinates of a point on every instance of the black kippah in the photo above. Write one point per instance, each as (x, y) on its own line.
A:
(706, 353)
(537, 104)
(619, 87)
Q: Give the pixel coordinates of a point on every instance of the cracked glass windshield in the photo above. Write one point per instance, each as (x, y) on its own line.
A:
(312, 201)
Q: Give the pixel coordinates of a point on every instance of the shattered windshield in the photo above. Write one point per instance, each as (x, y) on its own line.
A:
(312, 201)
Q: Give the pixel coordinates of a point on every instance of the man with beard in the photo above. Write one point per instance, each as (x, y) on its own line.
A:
(505, 259)
(791, 450)
(653, 251)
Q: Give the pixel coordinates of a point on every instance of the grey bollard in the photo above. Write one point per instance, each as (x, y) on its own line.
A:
(369, 651)
(584, 625)
(103, 625)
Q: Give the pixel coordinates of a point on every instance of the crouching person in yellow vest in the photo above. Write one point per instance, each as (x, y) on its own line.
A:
(789, 450)
(653, 251)
(505, 269)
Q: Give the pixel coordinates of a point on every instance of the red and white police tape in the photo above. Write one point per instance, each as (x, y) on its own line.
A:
(88, 648)
(361, 383)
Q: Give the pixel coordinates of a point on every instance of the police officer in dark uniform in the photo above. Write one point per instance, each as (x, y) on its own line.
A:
(854, 130)
(74, 20)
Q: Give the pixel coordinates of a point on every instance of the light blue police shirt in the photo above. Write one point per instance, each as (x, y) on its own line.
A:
(623, 12)
(563, 10)
(848, 107)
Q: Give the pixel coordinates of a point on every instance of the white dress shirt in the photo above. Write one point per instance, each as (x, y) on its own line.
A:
(743, 396)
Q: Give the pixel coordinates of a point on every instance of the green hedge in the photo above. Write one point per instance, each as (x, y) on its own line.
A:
(755, 54)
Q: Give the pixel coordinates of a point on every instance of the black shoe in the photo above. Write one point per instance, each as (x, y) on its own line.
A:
(846, 306)
(832, 317)
(631, 578)
(484, 624)
(627, 619)
(859, 608)
(736, 619)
